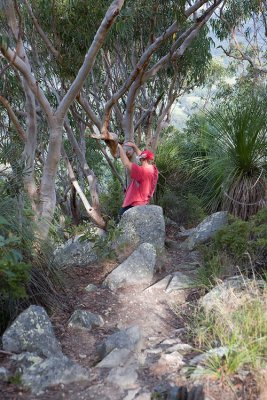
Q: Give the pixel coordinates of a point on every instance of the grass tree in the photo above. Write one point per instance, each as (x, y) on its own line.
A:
(236, 155)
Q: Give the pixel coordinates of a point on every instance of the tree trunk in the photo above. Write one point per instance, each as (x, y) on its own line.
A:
(47, 199)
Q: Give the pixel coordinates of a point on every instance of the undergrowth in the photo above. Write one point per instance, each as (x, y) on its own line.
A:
(240, 246)
(242, 332)
(27, 273)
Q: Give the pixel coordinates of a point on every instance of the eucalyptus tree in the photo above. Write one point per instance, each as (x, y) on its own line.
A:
(59, 54)
(44, 198)
(243, 26)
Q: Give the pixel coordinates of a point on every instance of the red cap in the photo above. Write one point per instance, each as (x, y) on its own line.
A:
(146, 155)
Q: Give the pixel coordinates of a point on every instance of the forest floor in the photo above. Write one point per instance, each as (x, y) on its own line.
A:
(159, 315)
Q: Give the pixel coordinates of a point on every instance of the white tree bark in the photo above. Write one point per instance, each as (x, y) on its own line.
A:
(55, 119)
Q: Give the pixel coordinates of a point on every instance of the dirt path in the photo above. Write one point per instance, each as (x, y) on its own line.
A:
(152, 310)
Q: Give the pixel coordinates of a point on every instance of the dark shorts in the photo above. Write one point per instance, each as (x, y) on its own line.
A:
(122, 210)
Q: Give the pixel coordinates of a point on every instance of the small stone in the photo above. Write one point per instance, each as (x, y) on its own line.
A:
(219, 351)
(129, 338)
(115, 358)
(153, 351)
(131, 394)
(90, 288)
(38, 373)
(182, 348)
(143, 396)
(85, 320)
(137, 269)
(32, 331)
(174, 359)
(170, 341)
(4, 374)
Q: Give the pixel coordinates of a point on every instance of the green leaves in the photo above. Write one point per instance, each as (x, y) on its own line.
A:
(4, 42)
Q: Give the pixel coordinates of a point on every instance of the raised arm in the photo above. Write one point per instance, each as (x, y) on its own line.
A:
(124, 159)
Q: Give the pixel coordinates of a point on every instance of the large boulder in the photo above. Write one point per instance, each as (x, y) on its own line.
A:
(76, 253)
(180, 281)
(142, 224)
(129, 338)
(32, 331)
(231, 294)
(38, 373)
(206, 229)
(138, 268)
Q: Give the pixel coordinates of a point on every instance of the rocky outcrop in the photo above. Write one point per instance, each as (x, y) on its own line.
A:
(206, 229)
(138, 268)
(41, 362)
(142, 224)
(32, 332)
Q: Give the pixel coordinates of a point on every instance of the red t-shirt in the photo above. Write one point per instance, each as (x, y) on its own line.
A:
(142, 186)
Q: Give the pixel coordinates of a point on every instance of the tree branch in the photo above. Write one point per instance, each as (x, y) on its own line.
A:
(15, 60)
(42, 34)
(87, 108)
(90, 57)
(14, 119)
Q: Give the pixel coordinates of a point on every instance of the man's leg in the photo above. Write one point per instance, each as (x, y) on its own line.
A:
(122, 211)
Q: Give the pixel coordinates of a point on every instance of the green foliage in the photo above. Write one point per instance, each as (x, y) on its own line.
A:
(234, 158)
(186, 209)
(27, 272)
(211, 271)
(242, 244)
(233, 238)
(176, 192)
(105, 245)
(14, 273)
(111, 199)
(248, 237)
(15, 379)
(240, 328)
(236, 12)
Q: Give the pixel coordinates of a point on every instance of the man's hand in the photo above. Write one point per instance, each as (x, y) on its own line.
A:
(133, 145)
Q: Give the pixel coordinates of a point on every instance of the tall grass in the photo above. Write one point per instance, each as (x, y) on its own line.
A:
(44, 282)
(240, 326)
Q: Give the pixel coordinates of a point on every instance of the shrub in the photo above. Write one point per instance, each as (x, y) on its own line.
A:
(233, 238)
(241, 245)
(105, 245)
(111, 200)
(185, 209)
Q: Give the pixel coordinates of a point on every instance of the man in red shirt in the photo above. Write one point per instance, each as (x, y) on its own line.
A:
(144, 178)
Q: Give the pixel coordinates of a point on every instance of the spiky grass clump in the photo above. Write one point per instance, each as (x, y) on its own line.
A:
(235, 159)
